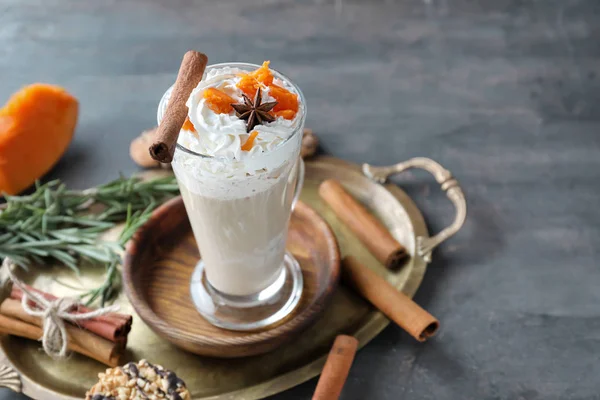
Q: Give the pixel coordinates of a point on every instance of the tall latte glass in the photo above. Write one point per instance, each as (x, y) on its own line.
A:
(239, 196)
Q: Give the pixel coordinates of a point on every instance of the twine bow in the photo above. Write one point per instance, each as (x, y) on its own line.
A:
(53, 313)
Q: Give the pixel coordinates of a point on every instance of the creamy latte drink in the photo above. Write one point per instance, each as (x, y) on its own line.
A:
(241, 234)
(238, 168)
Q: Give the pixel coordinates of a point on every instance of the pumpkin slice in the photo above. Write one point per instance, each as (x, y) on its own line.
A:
(187, 125)
(36, 126)
(247, 146)
(286, 101)
(218, 101)
(251, 81)
(286, 114)
(263, 74)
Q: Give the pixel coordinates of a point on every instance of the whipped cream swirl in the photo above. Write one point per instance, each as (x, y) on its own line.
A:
(222, 135)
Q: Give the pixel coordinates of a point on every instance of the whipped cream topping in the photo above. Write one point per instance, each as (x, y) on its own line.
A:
(229, 172)
(222, 135)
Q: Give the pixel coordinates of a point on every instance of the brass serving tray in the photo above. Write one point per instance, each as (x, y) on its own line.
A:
(256, 377)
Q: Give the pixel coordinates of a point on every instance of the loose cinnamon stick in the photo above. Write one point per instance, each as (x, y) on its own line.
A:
(336, 369)
(14, 326)
(190, 74)
(102, 349)
(394, 304)
(113, 326)
(365, 226)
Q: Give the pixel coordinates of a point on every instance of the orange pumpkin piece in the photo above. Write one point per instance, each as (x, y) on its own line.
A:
(188, 126)
(263, 74)
(251, 81)
(248, 85)
(250, 141)
(36, 126)
(286, 114)
(286, 100)
(218, 101)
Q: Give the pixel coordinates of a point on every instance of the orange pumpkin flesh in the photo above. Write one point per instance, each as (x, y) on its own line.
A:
(187, 125)
(218, 101)
(263, 74)
(36, 127)
(286, 100)
(250, 141)
(251, 81)
(286, 114)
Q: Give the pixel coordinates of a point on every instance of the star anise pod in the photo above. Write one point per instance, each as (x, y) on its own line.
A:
(253, 112)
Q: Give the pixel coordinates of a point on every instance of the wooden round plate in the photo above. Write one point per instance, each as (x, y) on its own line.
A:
(161, 257)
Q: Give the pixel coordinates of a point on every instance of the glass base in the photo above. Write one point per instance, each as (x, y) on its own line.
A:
(247, 313)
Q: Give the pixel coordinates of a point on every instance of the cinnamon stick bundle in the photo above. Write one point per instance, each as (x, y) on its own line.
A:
(114, 327)
(15, 321)
(336, 369)
(394, 304)
(365, 226)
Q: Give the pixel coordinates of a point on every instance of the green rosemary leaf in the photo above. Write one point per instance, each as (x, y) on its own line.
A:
(44, 224)
(103, 297)
(128, 215)
(64, 256)
(72, 235)
(114, 247)
(48, 198)
(92, 231)
(37, 259)
(108, 294)
(66, 259)
(30, 245)
(94, 295)
(35, 208)
(92, 253)
(31, 222)
(80, 221)
(14, 239)
(16, 227)
(67, 285)
(24, 236)
(37, 252)
(20, 260)
(56, 224)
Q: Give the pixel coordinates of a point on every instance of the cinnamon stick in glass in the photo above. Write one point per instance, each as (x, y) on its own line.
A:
(394, 304)
(14, 321)
(336, 369)
(365, 226)
(190, 74)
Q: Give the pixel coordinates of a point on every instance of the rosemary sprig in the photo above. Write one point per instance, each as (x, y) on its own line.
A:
(106, 289)
(54, 224)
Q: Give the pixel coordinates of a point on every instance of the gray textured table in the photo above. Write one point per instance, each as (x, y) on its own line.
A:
(504, 93)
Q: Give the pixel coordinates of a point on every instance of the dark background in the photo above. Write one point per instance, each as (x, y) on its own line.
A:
(504, 93)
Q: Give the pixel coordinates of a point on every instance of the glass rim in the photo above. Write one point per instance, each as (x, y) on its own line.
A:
(277, 74)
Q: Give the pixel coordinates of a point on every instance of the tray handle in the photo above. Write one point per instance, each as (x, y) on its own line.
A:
(425, 245)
